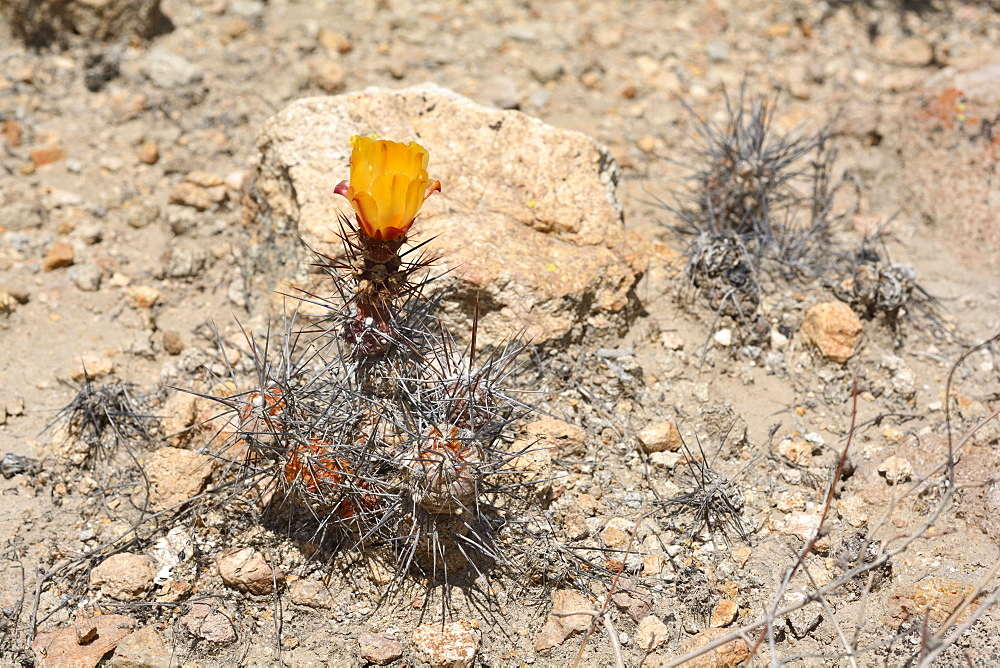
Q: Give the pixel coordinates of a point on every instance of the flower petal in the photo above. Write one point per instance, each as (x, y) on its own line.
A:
(388, 185)
(414, 199)
(433, 186)
(397, 159)
(389, 190)
(420, 155)
(366, 207)
(362, 168)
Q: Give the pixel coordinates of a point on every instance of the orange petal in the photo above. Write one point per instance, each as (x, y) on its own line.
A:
(367, 209)
(389, 190)
(433, 186)
(414, 199)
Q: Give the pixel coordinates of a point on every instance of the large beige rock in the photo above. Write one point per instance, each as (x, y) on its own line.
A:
(43, 22)
(528, 218)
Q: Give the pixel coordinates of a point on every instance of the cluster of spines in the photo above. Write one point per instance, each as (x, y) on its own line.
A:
(378, 423)
(759, 195)
(103, 417)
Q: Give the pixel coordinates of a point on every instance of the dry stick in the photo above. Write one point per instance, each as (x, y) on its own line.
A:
(947, 399)
(601, 615)
(279, 618)
(953, 453)
(807, 548)
(928, 658)
(851, 574)
(774, 614)
(829, 611)
(616, 647)
(934, 642)
(14, 612)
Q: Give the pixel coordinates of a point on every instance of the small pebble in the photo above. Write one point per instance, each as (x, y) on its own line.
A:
(210, 623)
(646, 143)
(91, 366)
(717, 51)
(172, 342)
(660, 437)
(896, 470)
(724, 613)
(60, 255)
(87, 277)
(143, 296)
(380, 648)
(245, 569)
(328, 74)
(124, 576)
(46, 155)
(189, 194)
(500, 91)
(149, 153)
(651, 633)
(141, 215)
(723, 337)
(545, 69)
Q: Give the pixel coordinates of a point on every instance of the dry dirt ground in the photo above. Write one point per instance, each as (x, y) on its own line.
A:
(96, 135)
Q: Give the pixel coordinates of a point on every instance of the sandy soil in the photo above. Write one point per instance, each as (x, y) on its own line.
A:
(130, 121)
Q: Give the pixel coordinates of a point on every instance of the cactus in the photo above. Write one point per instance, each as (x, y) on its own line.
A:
(376, 421)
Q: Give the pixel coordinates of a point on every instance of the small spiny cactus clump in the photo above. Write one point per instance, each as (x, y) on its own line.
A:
(876, 287)
(100, 418)
(375, 420)
(760, 203)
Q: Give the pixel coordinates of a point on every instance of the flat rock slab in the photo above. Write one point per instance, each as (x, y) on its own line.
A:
(83, 644)
(528, 220)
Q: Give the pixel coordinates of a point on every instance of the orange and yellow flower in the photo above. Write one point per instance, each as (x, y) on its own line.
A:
(388, 186)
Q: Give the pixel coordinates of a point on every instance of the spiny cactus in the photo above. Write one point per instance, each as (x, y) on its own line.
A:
(761, 203)
(374, 419)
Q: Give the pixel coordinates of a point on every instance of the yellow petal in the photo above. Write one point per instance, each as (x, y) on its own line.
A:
(397, 159)
(362, 168)
(420, 154)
